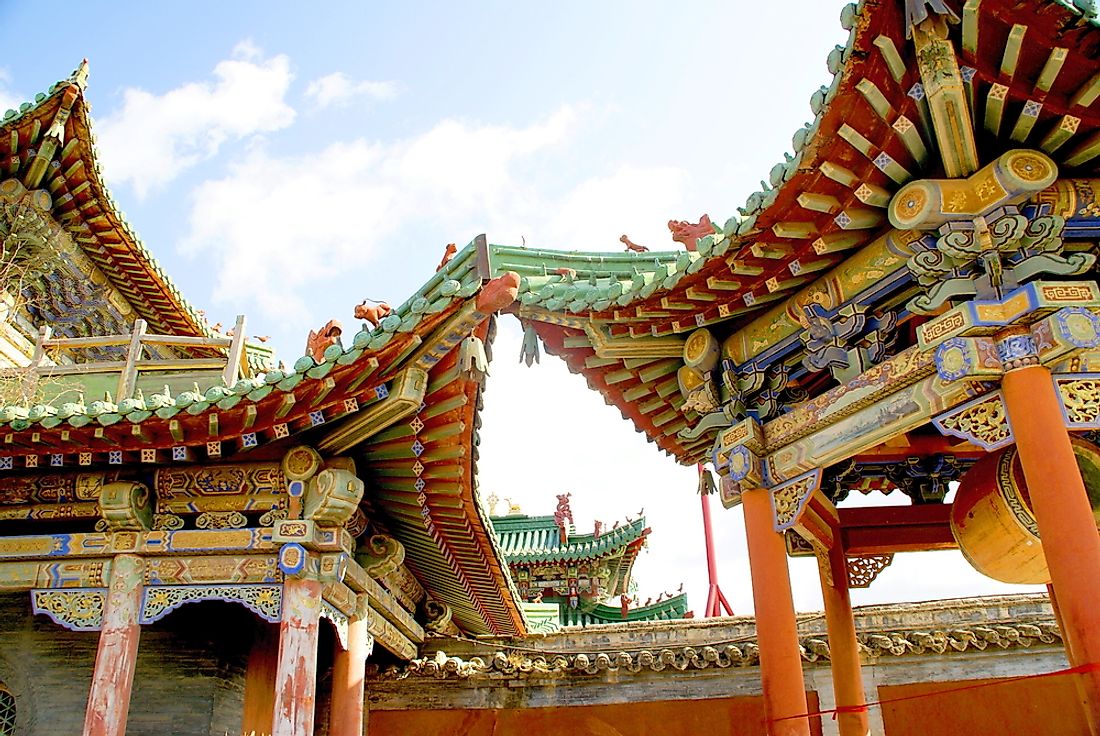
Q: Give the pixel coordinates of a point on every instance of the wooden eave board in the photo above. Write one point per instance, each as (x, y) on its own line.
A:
(443, 528)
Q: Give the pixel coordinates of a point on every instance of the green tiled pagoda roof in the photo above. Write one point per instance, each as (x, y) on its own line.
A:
(668, 609)
(532, 539)
(440, 523)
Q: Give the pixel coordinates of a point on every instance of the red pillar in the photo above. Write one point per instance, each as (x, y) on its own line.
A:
(348, 670)
(843, 647)
(776, 627)
(259, 680)
(116, 657)
(296, 673)
(1064, 516)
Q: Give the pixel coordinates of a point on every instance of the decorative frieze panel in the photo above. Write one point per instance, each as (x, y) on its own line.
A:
(157, 601)
(212, 569)
(77, 609)
(220, 488)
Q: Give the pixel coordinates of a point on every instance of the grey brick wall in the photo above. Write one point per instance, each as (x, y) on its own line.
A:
(189, 679)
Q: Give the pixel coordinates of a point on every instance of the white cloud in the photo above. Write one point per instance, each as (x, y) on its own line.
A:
(9, 98)
(337, 89)
(152, 138)
(275, 226)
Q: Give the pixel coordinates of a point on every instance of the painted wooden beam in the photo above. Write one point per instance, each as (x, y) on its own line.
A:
(890, 55)
(1088, 92)
(1060, 133)
(947, 99)
(887, 529)
(1010, 59)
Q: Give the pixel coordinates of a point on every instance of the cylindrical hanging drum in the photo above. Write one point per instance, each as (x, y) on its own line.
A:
(992, 518)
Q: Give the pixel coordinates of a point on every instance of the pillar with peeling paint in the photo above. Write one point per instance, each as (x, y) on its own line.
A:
(296, 672)
(116, 657)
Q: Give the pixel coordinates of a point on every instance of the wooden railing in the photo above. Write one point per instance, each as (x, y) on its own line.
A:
(233, 364)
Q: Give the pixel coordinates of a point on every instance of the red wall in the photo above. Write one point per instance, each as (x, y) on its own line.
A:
(1033, 707)
(654, 718)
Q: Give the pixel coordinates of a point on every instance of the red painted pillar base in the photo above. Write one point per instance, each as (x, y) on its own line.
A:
(348, 669)
(116, 657)
(776, 626)
(296, 672)
(1064, 516)
(843, 647)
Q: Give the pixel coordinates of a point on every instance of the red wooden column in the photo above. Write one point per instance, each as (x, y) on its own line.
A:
(348, 670)
(296, 672)
(116, 657)
(776, 627)
(843, 646)
(259, 680)
(1064, 516)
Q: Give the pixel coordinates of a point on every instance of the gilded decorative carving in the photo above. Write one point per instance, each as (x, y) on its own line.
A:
(157, 601)
(332, 496)
(380, 555)
(301, 463)
(221, 520)
(268, 518)
(790, 498)
(167, 522)
(1080, 400)
(982, 421)
(77, 609)
(53, 488)
(1013, 177)
(126, 505)
(339, 622)
(863, 570)
(212, 569)
(357, 523)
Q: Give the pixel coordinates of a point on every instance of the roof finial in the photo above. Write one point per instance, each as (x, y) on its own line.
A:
(80, 75)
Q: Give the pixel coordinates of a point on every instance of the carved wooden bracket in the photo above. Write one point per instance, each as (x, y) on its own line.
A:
(863, 570)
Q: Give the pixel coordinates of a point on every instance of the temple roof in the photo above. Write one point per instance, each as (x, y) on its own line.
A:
(532, 539)
(326, 403)
(816, 232)
(48, 145)
(668, 609)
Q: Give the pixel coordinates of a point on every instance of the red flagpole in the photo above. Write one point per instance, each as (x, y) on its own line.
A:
(716, 601)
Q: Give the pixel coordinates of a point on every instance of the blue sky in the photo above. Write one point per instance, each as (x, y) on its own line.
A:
(286, 164)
